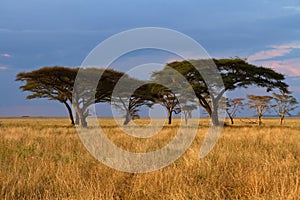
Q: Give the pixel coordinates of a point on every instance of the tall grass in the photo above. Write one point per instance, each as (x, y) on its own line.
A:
(43, 158)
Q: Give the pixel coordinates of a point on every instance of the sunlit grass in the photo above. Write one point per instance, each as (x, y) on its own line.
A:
(42, 158)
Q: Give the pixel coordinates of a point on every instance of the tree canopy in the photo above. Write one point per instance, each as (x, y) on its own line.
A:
(63, 84)
(53, 83)
(179, 86)
(235, 72)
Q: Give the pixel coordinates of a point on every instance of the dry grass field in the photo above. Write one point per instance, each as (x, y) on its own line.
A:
(43, 158)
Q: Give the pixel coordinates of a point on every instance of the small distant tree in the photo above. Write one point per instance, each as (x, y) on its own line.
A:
(187, 111)
(169, 100)
(233, 105)
(188, 103)
(285, 103)
(261, 104)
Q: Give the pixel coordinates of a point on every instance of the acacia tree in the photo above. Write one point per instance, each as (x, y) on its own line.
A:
(142, 96)
(285, 103)
(93, 85)
(129, 95)
(171, 103)
(53, 83)
(261, 104)
(166, 98)
(58, 83)
(187, 103)
(187, 111)
(236, 73)
(232, 107)
(175, 92)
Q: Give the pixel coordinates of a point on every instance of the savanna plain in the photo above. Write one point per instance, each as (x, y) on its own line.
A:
(44, 158)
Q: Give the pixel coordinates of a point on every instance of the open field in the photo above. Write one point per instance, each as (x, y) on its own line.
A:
(43, 158)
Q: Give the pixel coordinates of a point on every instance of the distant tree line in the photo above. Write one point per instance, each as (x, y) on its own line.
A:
(58, 83)
(281, 103)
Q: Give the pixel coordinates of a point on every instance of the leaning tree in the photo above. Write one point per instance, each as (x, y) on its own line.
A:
(235, 73)
(233, 106)
(53, 83)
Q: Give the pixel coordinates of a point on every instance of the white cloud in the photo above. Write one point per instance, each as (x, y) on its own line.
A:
(6, 55)
(3, 68)
(295, 8)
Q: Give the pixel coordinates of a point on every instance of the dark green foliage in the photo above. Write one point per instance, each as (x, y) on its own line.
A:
(235, 73)
(175, 87)
(62, 84)
(53, 83)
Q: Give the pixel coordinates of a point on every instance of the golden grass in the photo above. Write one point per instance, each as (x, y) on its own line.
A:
(42, 158)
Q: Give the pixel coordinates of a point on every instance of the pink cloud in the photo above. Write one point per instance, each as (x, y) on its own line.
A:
(287, 46)
(262, 55)
(289, 67)
(275, 51)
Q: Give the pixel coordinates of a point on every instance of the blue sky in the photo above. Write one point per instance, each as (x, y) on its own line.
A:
(37, 33)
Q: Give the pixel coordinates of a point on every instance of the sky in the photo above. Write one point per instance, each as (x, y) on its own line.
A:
(37, 33)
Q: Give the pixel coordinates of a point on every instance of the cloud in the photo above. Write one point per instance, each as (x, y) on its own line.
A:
(6, 55)
(267, 54)
(295, 8)
(3, 68)
(275, 51)
(289, 67)
(287, 46)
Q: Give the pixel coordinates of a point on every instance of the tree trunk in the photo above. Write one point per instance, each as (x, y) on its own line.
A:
(186, 116)
(231, 119)
(127, 118)
(70, 113)
(170, 116)
(259, 120)
(281, 119)
(83, 121)
(80, 116)
(215, 119)
(76, 119)
(214, 114)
